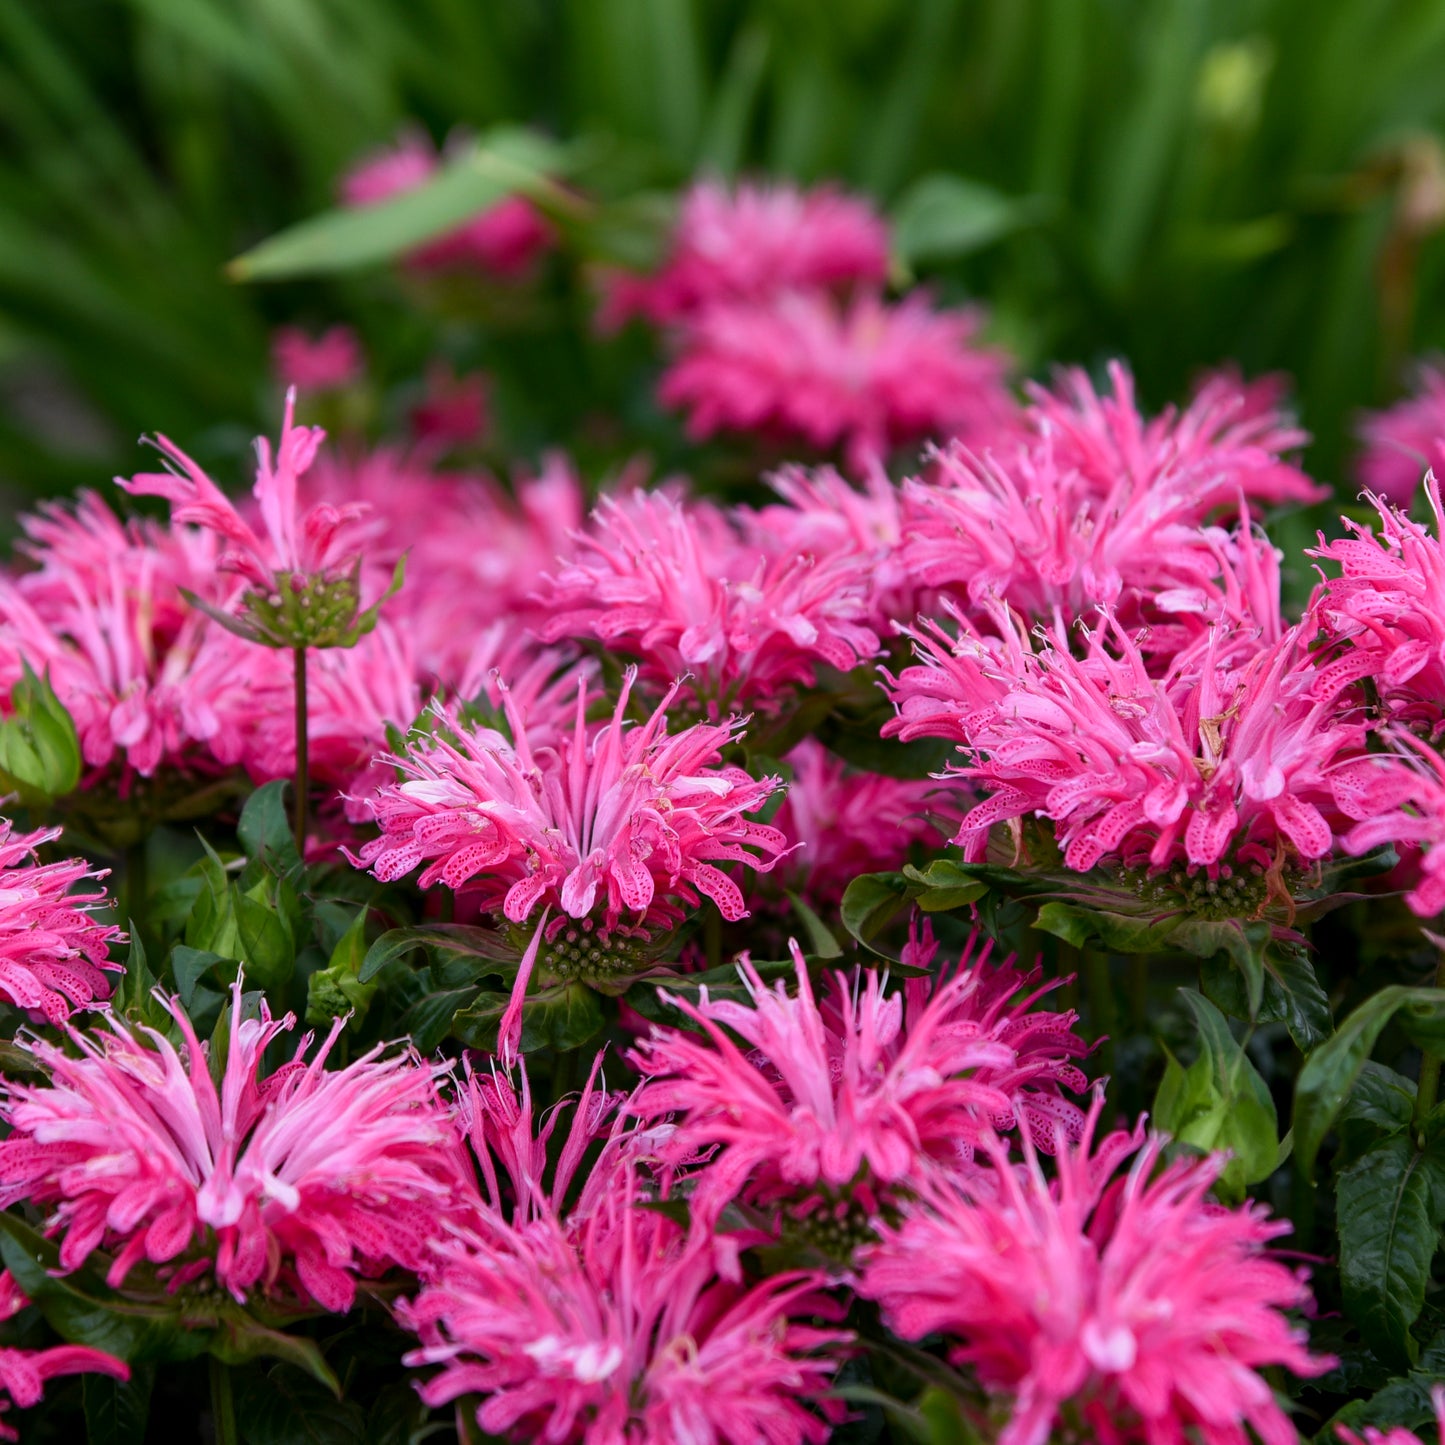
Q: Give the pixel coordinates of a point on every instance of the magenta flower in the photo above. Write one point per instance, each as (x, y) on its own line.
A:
(104, 616)
(749, 244)
(321, 363)
(1231, 440)
(53, 953)
(864, 376)
(1398, 1435)
(844, 823)
(303, 570)
(504, 239)
(621, 1327)
(453, 411)
(1399, 798)
(741, 622)
(1384, 611)
(1402, 442)
(836, 1112)
(287, 1186)
(1132, 1307)
(1227, 752)
(23, 1373)
(614, 828)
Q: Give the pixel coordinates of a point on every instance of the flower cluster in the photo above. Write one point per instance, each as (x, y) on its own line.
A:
(1401, 442)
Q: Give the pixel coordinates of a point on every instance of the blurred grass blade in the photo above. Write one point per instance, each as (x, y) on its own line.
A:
(725, 135)
(942, 217)
(502, 163)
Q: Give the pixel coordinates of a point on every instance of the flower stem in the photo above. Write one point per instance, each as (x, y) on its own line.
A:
(1428, 1089)
(223, 1404)
(303, 748)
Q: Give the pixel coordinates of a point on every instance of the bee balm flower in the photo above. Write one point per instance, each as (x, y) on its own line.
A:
(1134, 1301)
(291, 1184)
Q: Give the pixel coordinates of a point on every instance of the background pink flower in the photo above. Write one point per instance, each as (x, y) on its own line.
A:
(861, 376)
(1401, 442)
(326, 362)
(748, 244)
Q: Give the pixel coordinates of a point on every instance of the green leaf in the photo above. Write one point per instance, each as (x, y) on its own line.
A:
(1117, 932)
(564, 1017)
(457, 940)
(821, 943)
(502, 162)
(117, 1411)
(946, 885)
(1293, 994)
(1379, 1105)
(188, 967)
(337, 989)
(265, 829)
(872, 901)
(1243, 943)
(941, 217)
(1387, 1241)
(1220, 1103)
(283, 1406)
(1330, 1071)
(39, 747)
(238, 1338)
(263, 933)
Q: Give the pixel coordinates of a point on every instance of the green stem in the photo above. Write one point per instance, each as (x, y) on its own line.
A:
(303, 749)
(1428, 1089)
(223, 1404)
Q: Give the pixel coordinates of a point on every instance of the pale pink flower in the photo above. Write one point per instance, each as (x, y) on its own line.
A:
(835, 1111)
(1399, 798)
(1403, 441)
(1133, 1300)
(286, 1186)
(504, 239)
(316, 363)
(1219, 755)
(103, 614)
(1398, 1435)
(615, 828)
(622, 1328)
(749, 243)
(1230, 441)
(24, 1373)
(1385, 611)
(741, 621)
(843, 822)
(862, 376)
(321, 541)
(53, 952)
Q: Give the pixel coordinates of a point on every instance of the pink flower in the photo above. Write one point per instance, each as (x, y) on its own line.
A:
(1134, 1301)
(1401, 442)
(103, 614)
(289, 1185)
(324, 363)
(1398, 1435)
(1384, 612)
(740, 621)
(844, 823)
(452, 411)
(1231, 750)
(864, 376)
(749, 244)
(614, 827)
(622, 1327)
(53, 953)
(836, 1111)
(23, 1374)
(503, 239)
(1399, 798)
(1229, 441)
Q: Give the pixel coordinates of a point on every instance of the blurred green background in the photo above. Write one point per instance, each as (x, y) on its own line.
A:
(1178, 181)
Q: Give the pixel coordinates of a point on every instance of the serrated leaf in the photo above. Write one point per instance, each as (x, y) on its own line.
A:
(1387, 1241)
(1330, 1071)
(1379, 1105)
(188, 967)
(1293, 994)
(500, 163)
